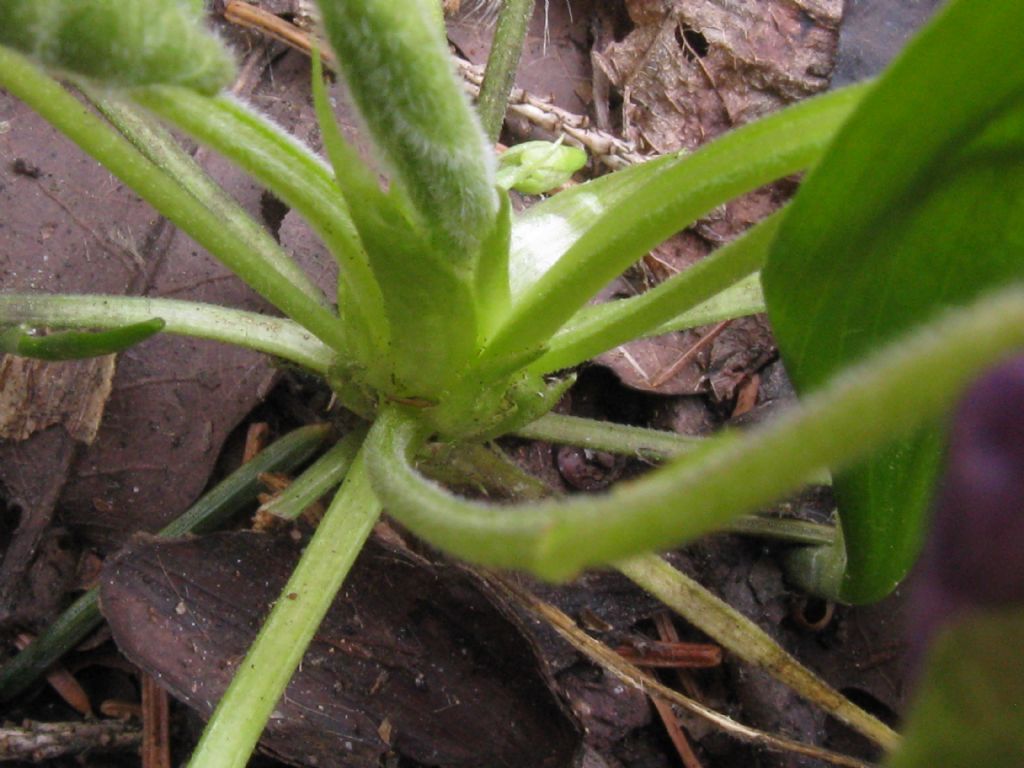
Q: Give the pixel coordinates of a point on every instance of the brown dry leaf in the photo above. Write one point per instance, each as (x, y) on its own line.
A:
(691, 70)
(688, 72)
(412, 658)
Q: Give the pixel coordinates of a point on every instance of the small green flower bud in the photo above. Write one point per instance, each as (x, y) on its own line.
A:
(535, 167)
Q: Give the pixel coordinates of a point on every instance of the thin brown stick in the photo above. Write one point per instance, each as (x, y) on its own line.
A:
(253, 17)
(156, 740)
(256, 438)
(35, 742)
(689, 354)
(633, 675)
(62, 681)
(676, 734)
(671, 655)
(667, 633)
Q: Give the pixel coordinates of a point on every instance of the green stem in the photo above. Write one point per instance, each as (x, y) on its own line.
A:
(490, 471)
(211, 511)
(904, 385)
(649, 444)
(481, 467)
(43, 94)
(272, 335)
(818, 569)
(261, 678)
(784, 529)
(597, 329)
(157, 144)
(649, 205)
(742, 637)
(500, 75)
(324, 474)
(301, 179)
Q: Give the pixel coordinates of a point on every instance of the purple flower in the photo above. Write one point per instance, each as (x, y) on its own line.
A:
(974, 558)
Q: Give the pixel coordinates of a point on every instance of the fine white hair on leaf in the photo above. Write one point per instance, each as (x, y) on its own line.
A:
(120, 42)
(400, 76)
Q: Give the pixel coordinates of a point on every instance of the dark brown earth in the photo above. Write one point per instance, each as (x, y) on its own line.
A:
(113, 451)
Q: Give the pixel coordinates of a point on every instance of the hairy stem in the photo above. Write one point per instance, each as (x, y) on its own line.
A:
(500, 75)
(906, 384)
(156, 143)
(300, 178)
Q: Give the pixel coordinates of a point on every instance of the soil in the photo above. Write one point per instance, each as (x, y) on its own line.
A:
(93, 457)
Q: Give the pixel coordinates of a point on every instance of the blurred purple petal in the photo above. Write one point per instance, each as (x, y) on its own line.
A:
(975, 556)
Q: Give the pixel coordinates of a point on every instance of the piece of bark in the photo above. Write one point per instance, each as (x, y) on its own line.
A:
(410, 650)
(35, 394)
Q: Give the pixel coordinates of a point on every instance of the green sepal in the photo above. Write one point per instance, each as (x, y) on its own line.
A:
(120, 42)
(476, 412)
(75, 345)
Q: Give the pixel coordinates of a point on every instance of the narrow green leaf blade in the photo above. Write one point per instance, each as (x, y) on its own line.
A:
(75, 345)
(567, 248)
(918, 206)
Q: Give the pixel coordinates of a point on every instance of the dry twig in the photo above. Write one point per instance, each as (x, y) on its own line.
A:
(35, 742)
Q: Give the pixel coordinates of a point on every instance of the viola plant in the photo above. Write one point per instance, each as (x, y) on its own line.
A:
(893, 280)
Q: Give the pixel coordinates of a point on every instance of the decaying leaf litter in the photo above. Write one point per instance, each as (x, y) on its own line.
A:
(663, 76)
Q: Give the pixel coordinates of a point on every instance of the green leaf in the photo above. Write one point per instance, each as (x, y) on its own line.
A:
(567, 248)
(918, 206)
(969, 709)
(722, 285)
(75, 345)
(23, 79)
(120, 42)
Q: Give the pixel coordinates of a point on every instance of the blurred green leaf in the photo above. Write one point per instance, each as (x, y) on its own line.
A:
(969, 709)
(120, 42)
(917, 206)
